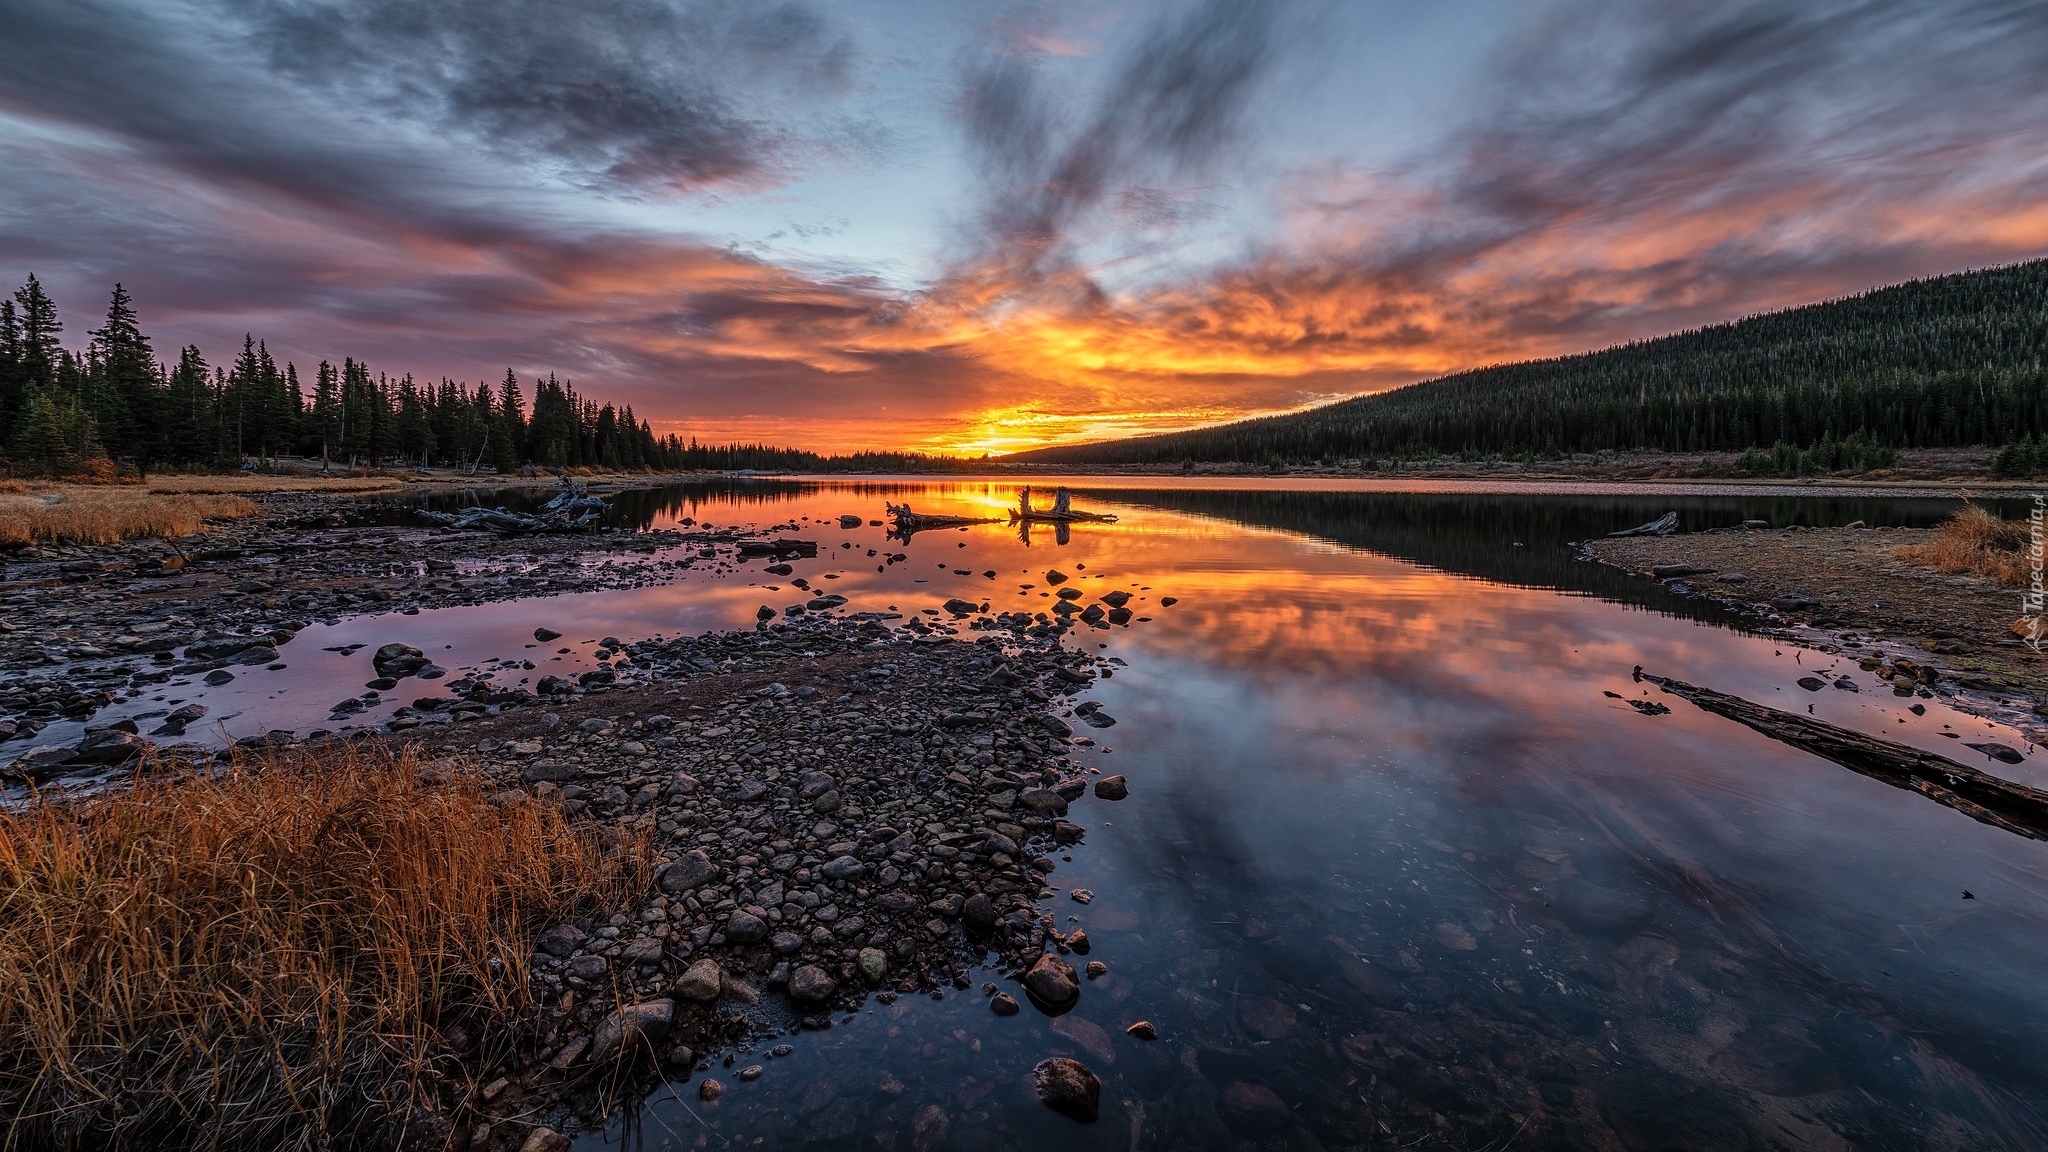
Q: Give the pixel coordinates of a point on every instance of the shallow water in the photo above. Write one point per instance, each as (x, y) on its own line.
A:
(1394, 871)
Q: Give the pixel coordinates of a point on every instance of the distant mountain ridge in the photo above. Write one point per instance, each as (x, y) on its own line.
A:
(1949, 361)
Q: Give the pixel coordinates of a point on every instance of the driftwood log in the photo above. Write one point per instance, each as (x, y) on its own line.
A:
(1663, 525)
(906, 522)
(1977, 794)
(784, 549)
(1061, 512)
(573, 509)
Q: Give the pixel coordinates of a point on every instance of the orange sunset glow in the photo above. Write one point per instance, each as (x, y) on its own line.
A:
(1063, 226)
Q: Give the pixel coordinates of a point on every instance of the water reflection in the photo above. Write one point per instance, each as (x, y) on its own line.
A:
(1395, 872)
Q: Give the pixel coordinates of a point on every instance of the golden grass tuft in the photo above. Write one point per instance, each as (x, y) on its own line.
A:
(272, 957)
(251, 485)
(1976, 542)
(74, 514)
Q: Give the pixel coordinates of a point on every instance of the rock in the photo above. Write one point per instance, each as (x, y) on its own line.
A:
(710, 1090)
(594, 726)
(1004, 1004)
(959, 607)
(764, 612)
(1371, 981)
(44, 757)
(749, 1074)
(1254, 1106)
(545, 1140)
(692, 871)
(1043, 801)
(744, 927)
(1051, 982)
(1069, 1088)
(2004, 753)
(646, 950)
(843, 867)
(1055, 577)
(849, 521)
(1812, 683)
(1078, 941)
(1097, 969)
(646, 1021)
(397, 659)
(873, 964)
(699, 982)
(218, 677)
(546, 634)
(1143, 1030)
(1116, 599)
(1265, 1017)
(979, 912)
(1674, 571)
(1089, 1035)
(1111, 788)
(928, 1130)
(810, 983)
(592, 968)
(561, 941)
(1455, 938)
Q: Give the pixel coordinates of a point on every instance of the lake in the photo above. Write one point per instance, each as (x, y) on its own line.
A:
(1401, 865)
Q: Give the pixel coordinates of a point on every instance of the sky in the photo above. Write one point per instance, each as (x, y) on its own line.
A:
(966, 227)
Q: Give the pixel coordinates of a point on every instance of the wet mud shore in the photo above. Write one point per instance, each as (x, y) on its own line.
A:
(1845, 590)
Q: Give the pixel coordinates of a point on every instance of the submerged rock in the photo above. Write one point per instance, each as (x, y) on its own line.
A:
(1069, 1088)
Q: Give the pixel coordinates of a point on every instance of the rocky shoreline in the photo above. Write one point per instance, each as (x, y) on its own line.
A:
(839, 805)
(82, 627)
(1843, 590)
(862, 812)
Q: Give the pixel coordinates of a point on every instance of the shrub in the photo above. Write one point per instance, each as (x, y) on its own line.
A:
(1976, 542)
(272, 956)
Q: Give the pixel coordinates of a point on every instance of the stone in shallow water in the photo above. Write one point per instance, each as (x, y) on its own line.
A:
(1051, 982)
(1069, 1088)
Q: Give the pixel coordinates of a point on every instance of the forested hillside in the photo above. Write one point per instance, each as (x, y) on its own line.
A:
(1946, 362)
(115, 405)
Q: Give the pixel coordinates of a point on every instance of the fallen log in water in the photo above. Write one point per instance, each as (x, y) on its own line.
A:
(1976, 794)
(908, 522)
(1061, 511)
(784, 549)
(1663, 525)
(572, 510)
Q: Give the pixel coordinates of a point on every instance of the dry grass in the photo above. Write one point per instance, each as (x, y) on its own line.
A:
(1978, 543)
(78, 514)
(249, 485)
(271, 957)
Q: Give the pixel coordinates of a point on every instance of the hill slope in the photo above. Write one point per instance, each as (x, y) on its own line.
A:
(1944, 362)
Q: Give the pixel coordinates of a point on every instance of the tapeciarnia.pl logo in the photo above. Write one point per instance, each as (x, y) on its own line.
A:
(2034, 604)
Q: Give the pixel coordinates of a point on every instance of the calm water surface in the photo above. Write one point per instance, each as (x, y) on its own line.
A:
(1395, 871)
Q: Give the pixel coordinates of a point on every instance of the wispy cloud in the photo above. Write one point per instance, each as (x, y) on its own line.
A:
(452, 188)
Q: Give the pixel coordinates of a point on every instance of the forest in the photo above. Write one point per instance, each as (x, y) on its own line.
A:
(116, 407)
(1951, 361)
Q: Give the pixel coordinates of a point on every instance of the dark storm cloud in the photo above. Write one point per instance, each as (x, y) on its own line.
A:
(332, 176)
(634, 93)
(1177, 97)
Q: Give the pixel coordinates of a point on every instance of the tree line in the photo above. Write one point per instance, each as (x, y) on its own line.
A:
(115, 404)
(1951, 361)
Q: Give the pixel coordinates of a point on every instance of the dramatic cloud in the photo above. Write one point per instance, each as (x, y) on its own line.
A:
(1131, 219)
